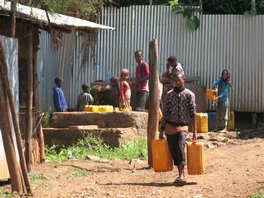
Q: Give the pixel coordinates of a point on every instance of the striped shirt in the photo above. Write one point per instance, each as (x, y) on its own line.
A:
(179, 106)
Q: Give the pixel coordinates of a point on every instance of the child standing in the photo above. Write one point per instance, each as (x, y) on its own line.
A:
(85, 98)
(125, 91)
(223, 105)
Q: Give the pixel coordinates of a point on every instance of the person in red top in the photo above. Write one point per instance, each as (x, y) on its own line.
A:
(125, 91)
(142, 76)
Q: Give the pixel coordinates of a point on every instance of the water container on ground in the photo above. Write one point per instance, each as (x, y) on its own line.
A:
(231, 124)
(211, 120)
(201, 122)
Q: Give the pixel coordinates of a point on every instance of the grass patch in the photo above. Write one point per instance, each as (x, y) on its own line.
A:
(257, 195)
(79, 172)
(95, 146)
(39, 181)
(5, 194)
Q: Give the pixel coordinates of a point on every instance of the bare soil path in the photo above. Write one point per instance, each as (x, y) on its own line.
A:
(232, 170)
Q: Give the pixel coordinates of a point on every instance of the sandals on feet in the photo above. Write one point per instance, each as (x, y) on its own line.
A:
(180, 182)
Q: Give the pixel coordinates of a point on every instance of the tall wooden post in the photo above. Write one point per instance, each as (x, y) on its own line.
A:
(13, 19)
(28, 135)
(7, 86)
(5, 125)
(153, 117)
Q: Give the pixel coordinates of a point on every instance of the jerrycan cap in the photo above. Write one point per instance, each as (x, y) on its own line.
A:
(194, 141)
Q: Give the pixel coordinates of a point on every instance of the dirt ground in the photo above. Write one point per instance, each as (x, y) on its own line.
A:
(233, 169)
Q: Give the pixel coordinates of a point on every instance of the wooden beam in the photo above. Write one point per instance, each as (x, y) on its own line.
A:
(153, 116)
(7, 86)
(13, 19)
(29, 126)
(5, 126)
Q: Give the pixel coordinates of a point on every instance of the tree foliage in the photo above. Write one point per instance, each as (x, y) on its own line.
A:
(209, 6)
(85, 9)
(231, 6)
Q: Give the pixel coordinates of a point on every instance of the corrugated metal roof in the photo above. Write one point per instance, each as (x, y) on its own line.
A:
(55, 18)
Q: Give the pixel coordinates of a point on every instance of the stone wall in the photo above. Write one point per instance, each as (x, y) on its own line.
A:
(113, 128)
(133, 119)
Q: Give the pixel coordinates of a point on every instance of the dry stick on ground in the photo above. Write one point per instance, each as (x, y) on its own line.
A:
(153, 117)
(6, 84)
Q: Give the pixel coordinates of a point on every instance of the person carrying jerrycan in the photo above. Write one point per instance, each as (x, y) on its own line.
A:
(179, 109)
(223, 107)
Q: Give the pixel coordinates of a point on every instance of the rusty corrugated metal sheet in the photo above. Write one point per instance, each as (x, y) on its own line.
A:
(222, 41)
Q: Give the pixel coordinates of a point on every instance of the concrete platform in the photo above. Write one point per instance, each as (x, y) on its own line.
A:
(114, 137)
(132, 119)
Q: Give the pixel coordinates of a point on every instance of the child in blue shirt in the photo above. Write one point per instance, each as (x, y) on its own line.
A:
(58, 96)
(223, 104)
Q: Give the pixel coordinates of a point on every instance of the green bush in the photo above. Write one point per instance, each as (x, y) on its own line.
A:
(95, 146)
(46, 120)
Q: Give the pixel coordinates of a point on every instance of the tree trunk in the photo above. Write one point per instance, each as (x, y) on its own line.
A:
(253, 6)
(201, 4)
(153, 117)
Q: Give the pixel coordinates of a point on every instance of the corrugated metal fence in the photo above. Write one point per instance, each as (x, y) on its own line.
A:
(234, 42)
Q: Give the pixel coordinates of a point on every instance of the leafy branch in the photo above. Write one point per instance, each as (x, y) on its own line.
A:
(188, 11)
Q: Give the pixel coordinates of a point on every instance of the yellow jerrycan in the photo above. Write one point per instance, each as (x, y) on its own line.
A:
(211, 94)
(201, 122)
(195, 158)
(161, 156)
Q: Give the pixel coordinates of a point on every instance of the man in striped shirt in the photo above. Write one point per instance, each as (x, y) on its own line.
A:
(179, 109)
(142, 77)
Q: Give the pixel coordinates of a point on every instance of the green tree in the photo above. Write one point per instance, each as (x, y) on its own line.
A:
(85, 9)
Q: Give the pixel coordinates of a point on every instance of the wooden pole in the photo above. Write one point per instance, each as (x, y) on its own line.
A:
(5, 125)
(41, 144)
(153, 117)
(13, 19)
(7, 86)
(28, 135)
